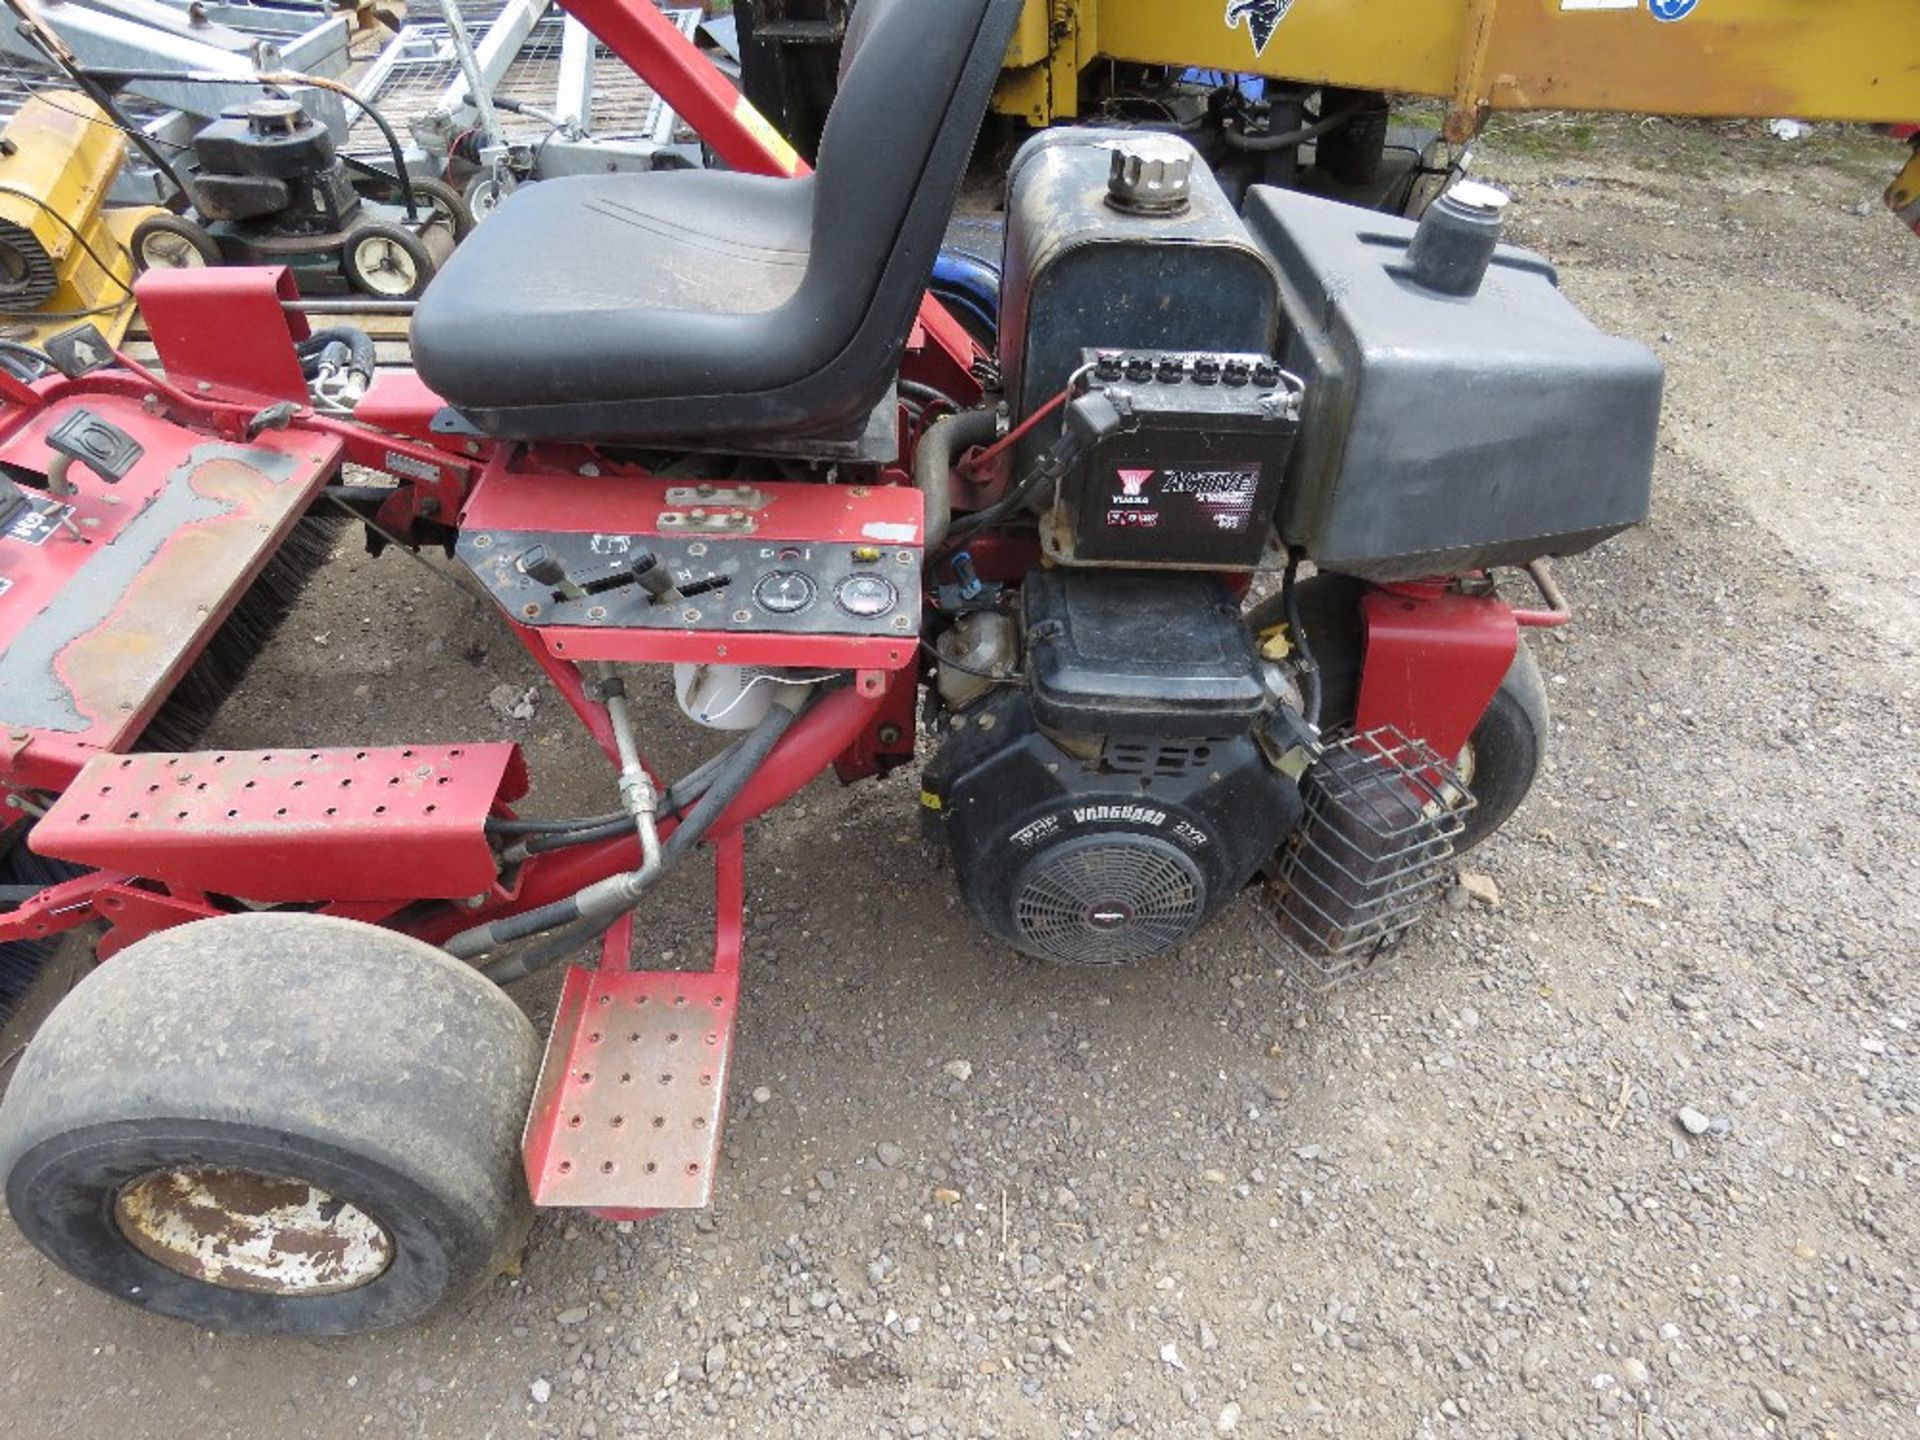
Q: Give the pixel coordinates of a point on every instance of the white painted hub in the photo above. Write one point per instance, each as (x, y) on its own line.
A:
(242, 1230)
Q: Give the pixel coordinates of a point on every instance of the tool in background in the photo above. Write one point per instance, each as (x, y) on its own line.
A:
(64, 257)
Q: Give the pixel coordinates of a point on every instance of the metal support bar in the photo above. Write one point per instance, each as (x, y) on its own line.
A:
(491, 58)
(573, 94)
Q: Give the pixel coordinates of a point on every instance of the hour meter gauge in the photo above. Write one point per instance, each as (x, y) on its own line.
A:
(864, 596)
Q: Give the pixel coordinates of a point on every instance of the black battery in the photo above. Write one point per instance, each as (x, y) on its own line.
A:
(1192, 475)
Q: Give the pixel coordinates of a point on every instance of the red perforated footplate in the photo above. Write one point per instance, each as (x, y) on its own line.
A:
(632, 1092)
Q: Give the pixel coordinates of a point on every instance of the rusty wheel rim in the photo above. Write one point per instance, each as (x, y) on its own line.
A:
(242, 1230)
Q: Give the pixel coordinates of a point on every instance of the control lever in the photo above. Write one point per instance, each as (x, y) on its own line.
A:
(654, 578)
(104, 448)
(544, 568)
(643, 568)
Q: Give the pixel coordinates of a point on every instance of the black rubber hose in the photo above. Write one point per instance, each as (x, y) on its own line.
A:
(676, 800)
(1241, 140)
(565, 839)
(359, 345)
(927, 394)
(30, 354)
(554, 947)
(724, 790)
(554, 827)
(682, 793)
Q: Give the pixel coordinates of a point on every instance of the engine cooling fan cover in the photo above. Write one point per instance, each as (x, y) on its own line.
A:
(1108, 898)
(1107, 853)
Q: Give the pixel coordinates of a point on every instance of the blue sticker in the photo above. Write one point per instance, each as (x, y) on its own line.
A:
(1671, 9)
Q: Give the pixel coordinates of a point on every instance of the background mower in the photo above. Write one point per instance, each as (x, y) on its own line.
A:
(722, 429)
(270, 189)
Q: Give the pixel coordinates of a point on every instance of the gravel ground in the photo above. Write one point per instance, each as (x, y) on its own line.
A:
(1627, 1152)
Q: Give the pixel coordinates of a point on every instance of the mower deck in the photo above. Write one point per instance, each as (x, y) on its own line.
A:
(95, 633)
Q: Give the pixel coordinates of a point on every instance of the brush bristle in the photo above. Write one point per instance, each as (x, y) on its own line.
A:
(223, 664)
(22, 960)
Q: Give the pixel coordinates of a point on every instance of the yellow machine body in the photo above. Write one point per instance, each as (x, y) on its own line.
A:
(60, 157)
(1855, 60)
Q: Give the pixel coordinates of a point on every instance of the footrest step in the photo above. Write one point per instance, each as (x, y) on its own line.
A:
(632, 1092)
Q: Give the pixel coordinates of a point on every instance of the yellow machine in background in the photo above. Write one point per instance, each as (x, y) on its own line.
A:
(64, 257)
(1319, 115)
(1813, 59)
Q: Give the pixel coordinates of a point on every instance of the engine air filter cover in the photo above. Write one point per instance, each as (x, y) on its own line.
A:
(1139, 654)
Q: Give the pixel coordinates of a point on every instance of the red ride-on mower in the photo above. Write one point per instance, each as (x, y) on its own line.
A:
(708, 420)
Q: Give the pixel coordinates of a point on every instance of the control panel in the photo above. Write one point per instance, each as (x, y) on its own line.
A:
(601, 553)
(625, 580)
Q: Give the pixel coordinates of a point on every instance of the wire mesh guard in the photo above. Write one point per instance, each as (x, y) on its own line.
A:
(1368, 860)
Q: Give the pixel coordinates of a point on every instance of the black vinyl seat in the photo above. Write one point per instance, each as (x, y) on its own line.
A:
(709, 306)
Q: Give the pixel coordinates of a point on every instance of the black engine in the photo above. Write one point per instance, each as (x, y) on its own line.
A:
(1308, 383)
(271, 162)
(1104, 811)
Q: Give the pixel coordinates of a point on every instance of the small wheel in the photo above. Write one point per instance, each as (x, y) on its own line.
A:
(388, 262)
(447, 205)
(485, 192)
(275, 1123)
(173, 242)
(1503, 756)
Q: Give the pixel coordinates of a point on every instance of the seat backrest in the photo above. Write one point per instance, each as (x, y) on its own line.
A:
(916, 76)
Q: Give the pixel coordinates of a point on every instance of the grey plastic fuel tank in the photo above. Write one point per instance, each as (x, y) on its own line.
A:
(1441, 431)
(1083, 271)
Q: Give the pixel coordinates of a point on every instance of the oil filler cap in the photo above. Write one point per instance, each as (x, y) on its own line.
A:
(1146, 181)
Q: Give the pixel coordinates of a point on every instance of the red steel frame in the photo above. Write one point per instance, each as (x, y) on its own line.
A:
(225, 338)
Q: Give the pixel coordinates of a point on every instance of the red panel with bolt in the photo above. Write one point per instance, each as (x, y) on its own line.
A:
(1162, 597)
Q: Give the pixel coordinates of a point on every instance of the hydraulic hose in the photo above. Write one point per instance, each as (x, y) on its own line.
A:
(362, 359)
(606, 900)
(947, 437)
(554, 827)
(1281, 140)
(536, 836)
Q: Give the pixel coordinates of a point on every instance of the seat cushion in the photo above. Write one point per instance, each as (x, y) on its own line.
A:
(603, 288)
(702, 307)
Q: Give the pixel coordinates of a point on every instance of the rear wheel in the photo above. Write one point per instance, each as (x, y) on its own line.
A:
(277, 1124)
(388, 262)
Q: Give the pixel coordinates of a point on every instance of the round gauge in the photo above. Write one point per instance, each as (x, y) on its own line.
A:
(784, 592)
(865, 596)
